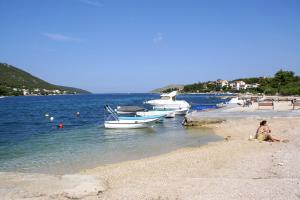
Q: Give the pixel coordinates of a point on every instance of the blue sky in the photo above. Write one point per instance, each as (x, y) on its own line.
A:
(139, 45)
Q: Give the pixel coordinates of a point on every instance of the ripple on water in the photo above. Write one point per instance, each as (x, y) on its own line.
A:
(29, 142)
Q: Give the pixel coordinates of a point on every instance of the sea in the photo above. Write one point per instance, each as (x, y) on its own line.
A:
(30, 142)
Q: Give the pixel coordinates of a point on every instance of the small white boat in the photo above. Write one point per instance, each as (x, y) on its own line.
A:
(117, 125)
(236, 100)
(169, 102)
(129, 122)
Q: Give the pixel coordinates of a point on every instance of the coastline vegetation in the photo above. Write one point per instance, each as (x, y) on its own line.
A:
(16, 82)
(282, 83)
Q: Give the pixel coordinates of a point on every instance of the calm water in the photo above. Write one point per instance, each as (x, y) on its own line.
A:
(29, 142)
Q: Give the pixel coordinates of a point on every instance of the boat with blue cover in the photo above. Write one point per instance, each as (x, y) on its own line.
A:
(114, 121)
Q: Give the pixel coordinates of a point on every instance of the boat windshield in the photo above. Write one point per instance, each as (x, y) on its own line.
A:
(168, 98)
(164, 98)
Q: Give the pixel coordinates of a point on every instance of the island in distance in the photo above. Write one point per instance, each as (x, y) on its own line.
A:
(16, 82)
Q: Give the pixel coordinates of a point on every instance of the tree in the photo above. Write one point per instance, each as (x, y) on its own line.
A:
(3, 91)
(283, 78)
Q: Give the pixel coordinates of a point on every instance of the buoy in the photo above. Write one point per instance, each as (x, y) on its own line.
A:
(46, 114)
(60, 125)
(77, 113)
(51, 119)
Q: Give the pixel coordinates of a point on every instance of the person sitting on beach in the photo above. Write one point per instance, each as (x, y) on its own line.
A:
(263, 133)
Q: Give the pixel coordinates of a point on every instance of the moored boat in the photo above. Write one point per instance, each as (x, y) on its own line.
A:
(116, 121)
(236, 100)
(169, 102)
(115, 124)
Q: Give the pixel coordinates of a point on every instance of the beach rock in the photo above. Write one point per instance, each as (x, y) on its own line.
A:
(227, 138)
(188, 121)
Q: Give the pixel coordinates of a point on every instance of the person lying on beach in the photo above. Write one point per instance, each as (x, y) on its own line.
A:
(263, 133)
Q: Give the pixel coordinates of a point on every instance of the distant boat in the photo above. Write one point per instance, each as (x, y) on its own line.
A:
(168, 101)
(236, 100)
(1, 97)
(118, 122)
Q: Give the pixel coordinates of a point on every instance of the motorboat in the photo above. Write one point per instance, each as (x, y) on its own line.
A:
(236, 100)
(114, 121)
(140, 111)
(129, 109)
(168, 102)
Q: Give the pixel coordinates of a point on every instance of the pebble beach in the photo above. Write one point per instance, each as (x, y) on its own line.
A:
(234, 168)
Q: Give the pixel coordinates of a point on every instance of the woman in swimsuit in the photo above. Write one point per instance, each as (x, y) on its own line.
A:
(263, 133)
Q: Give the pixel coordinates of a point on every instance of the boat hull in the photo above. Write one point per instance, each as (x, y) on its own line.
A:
(138, 122)
(169, 103)
(125, 113)
(125, 126)
(176, 110)
(181, 111)
(180, 107)
(163, 113)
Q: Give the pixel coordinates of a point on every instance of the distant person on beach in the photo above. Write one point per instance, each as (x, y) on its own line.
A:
(263, 133)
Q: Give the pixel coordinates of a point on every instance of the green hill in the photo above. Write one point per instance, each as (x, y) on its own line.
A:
(282, 83)
(14, 81)
(168, 88)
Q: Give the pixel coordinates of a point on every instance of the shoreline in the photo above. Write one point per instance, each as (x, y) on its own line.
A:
(148, 156)
(234, 168)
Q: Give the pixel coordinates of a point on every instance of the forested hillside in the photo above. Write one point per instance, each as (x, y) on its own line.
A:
(14, 81)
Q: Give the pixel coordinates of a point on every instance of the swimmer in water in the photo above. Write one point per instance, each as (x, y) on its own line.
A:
(60, 125)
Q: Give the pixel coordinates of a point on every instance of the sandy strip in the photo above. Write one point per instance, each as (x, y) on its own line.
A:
(233, 169)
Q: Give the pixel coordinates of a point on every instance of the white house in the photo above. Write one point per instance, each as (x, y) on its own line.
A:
(25, 92)
(222, 83)
(254, 85)
(237, 85)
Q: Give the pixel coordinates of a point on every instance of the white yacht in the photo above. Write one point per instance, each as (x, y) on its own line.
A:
(169, 102)
(236, 100)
